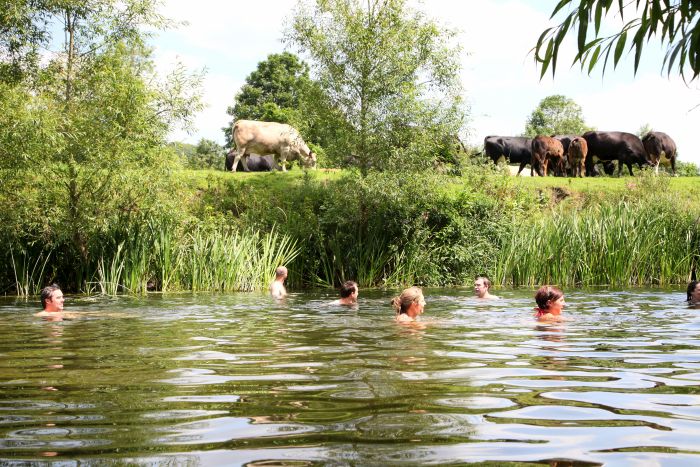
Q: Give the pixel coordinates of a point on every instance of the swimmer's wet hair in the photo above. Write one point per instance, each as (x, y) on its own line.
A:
(486, 280)
(348, 288)
(545, 294)
(280, 271)
(691, 288)
(402, 303)
(46, 293)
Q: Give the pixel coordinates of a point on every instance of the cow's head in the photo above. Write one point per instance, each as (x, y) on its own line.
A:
(309, 161)
(653, 148)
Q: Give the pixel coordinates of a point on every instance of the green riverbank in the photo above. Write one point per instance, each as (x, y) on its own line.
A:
(211, 230)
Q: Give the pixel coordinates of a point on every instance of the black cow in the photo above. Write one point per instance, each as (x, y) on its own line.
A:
(660, 147)
(625, 148)
(516, 149)
(256, 163)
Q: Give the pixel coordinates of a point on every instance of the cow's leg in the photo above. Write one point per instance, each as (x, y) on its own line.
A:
(236, 159)
(283, 159)
(244, 161)
(522, 166)
(673, 165)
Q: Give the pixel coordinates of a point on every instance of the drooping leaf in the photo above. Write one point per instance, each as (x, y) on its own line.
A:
(559, 6)
(620, 47)
(598, 16)
(594, 59)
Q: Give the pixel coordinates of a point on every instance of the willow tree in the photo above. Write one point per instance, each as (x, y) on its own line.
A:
(390, 74)
(675, 23)
(86, 118)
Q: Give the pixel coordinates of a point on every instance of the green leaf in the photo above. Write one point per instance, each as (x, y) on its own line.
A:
(620, 47)
(621, 4)
(594, 59)
(559, 6)
(547, 58)
(638, 53)
(539, 44)
(598, 16)
(582, 29)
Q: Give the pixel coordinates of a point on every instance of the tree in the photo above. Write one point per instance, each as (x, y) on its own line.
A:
(390, 77)
(676, 23)
(94, 113)
(558, 115)
(272, 93)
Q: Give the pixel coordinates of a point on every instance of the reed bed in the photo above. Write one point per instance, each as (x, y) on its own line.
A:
(622, 244)
(203, 260)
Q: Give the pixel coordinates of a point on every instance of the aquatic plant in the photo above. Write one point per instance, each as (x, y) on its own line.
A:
(28, 271)
(625, 243)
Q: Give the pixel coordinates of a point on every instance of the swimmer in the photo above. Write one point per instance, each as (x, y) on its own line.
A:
(482, 285)
(409, 305)
(348, 294)
(52, 303)
(694, 293)
(277, 289)
(550, 303)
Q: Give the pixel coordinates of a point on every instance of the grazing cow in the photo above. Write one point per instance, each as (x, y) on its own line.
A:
(565, 141)
(578, 149)
(515, 149)
(256, 163)
(626, 148)
(544, 150)
(265, 138)
(660, 148)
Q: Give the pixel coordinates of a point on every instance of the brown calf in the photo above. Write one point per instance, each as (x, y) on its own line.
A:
(578, 150)
(545, 148)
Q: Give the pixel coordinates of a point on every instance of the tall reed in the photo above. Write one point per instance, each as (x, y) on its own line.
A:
(231, 261)
(110, 272)
(28, 271)
(626, 243)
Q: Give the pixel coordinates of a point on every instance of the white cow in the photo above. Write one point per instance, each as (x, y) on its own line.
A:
(279, 139)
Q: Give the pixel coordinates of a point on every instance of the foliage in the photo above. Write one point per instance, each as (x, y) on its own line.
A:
(687, 169)
(207, 154)
(272, 93)
(556, 115)
(389, 79)
(675, 23)
(643, 130)
(83, 131)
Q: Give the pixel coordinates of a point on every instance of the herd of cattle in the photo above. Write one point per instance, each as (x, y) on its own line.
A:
(265, 146)
(575, 156)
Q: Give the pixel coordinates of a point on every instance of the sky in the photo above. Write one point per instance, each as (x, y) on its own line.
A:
(500, 79)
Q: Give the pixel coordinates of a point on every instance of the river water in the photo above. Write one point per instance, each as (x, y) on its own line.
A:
(238, 379)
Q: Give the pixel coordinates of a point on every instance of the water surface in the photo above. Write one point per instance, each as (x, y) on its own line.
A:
(240, 379)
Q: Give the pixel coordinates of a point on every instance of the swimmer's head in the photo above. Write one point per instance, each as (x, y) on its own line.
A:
(52, 298)
(409, 297)
(546, 295)
(694, 292)
(481, 286)
(348, 288)
(281, 271)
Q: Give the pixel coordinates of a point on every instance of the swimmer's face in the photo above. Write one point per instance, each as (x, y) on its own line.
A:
(695, 294)
(420, 302)
(480, 288)
(555, 306)
(55, 301)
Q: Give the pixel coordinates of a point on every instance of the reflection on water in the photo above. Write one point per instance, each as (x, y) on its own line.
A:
(236, 379)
